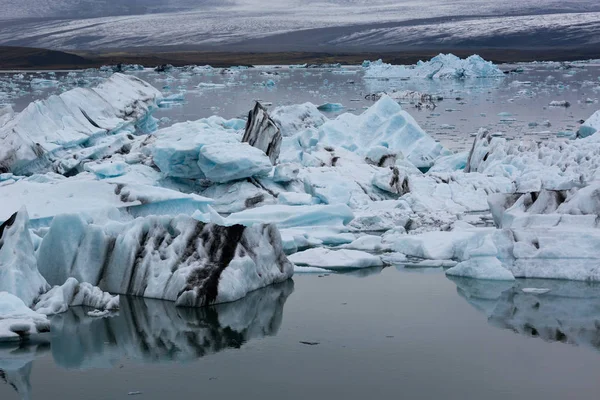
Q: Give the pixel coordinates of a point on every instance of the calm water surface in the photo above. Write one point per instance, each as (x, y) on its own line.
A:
(375, 334)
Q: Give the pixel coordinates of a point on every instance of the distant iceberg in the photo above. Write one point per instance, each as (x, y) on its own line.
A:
(71, 118)
(443, 66)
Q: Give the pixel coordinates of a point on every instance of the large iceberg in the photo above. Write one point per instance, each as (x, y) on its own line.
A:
(443, 66)
(171, 258)
(384, 124)
(553, 165)
(72, 118)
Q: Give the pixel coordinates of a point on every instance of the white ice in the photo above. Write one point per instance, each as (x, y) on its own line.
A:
(443, 66)
(335, 259)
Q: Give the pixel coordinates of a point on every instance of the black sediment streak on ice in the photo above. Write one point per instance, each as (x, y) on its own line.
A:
(263, 133)
(220, 244)
(7, 224)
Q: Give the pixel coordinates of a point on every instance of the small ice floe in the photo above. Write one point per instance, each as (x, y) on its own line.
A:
(98, 313)
(560, 103)
(535, 290)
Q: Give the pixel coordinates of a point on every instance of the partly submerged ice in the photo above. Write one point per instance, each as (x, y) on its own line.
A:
(443, 66)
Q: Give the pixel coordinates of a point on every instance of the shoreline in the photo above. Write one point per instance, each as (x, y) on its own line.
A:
(23, 58)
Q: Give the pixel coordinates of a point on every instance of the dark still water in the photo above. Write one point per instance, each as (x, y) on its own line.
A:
(392, 333)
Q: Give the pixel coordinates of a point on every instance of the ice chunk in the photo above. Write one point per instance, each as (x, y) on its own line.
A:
(370, 243)
(108, 169)
(381, 156)
(391, 180)
(46, 196)
(172, 258)
(19, 273)
(535, 290)
(560, 103)
(383, 124)
(263, 133)
(330, 107)
(298, 117)
(72, 293)
(310, 270)
(336, 259)
(285, 216)
(72, 118)
(285, 173)
(450, 163)
(588, 128)
(443, 66)
(177, 148)
(6, 114)
(295, 199)
(552, 165)
(547, 208)
(225, 162)
(488, 268)
(18, 322)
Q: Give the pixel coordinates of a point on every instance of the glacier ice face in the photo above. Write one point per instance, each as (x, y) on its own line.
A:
(28, 140)
(18, 322)
(442, 66)
(19, 274)
(383, 124)
(172, 258)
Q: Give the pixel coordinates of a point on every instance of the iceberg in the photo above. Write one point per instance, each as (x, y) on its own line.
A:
(383, 124)
(46, 196)
(335, 259)
(176, 149)
(29, 139)
(227, 162)
(588, 128)
(72, 293)
(18, 323)
(298, 117)
(172, 258)
(442, 66)
(263, 133)
(552, 165)
(19, 274)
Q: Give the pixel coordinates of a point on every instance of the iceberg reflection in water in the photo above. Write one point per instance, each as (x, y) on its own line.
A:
(569, 312)
(149, 331)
